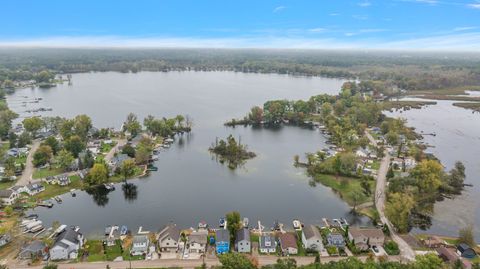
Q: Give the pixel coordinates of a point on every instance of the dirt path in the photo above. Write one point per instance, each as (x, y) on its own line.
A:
(111, 153)
(29, 168)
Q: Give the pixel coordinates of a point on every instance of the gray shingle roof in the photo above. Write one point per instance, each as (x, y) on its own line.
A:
(171, 231)
(68, 234)
(311, 231)
(5, 193)
(242, 234)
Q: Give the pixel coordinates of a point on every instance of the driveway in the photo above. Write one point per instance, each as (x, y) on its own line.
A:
(29, 168)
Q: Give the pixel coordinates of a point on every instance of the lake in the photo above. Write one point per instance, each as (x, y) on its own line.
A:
(190, 185)
(457, 139)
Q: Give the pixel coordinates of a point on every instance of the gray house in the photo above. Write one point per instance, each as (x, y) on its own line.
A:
(242, 241)
(168, 238)
(67, 245)
(336, 240)
(267, 244)
(36, 249)
(311, 238)
(140, 245)
(5, 239)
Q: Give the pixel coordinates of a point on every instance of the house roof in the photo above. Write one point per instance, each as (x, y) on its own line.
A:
(68, 234)
(288, 240)
(369, 232)
(139, 239)
(222, 235)
(120, 158)
(267, 238)
(311, 231)
(34, 247)
(197, 237)
(34, 186)
(169, 230)
(447, 254)
(5, 193)
(335, 237)
(242, 234)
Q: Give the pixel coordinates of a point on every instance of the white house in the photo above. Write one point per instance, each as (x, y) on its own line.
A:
(197, 242)
(8, 197)
(311, 238)
(140, 245)
(34, 188)
(168, 238)
(67, 245)
(410, 163)
(242, 241)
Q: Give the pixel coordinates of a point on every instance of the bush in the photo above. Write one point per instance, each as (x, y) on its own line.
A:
(391, 248)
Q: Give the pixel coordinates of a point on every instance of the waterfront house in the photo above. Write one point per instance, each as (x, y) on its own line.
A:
(117, 161)
(168, 238)
(63, 180)
(67, 244)
(466, 251)
(364, 238)
(449, 256)
(288, 244)
(197, 242)
(267, 244)
(311, 238)
(242, 241)
(335, 240)
(34, 250)
(222, 243)
(362, 153)
(35, 188)
(140, 244)
(433, 242)
(409, 163)
(8, 197)
(5, 239)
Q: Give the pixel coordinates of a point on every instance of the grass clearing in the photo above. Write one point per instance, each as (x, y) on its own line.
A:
(345, 187)
(46, 172)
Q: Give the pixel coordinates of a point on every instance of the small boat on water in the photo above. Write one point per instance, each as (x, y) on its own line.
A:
(72, 192)
(245, 222)
(297, 225)
(123, 230)
(31, 216)
(222, 223)
(169, 140)
(109, 186)
(165, 146)
(58, 199)
(151, 167)
(108, 229)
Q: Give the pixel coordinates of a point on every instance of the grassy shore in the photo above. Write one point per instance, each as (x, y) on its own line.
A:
(472, 106)
(345, 187)
(448, 91)
(403, 104)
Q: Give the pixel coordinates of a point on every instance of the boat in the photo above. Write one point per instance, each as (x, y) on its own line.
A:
(165, 146)
(344, 222)
(169, 140)
(31, 216)
(154, 158)
(36, 229)
(297, 225)
(58, 199)
(222, 223)
(245, 222)
(109, 186)
(108, 229)
(123, 230)
(202, 225)
(72, 192)
(46, 204)
(151, 167)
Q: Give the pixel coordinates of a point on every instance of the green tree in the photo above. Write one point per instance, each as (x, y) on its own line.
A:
(32, 124)
(8, 210)
(98, 174)
(42, 156)
(24, 139)
(75, 145)
(132, 125)
(428, 261)
(398, 210)
(64, 159)
(10, 167)
(129, 150)
(44, 76)
(429, 174)
(465, 235)
(82, 124)
(235, 261)
(234, 223)
(256, 115)
(53, 143)
(127, 169)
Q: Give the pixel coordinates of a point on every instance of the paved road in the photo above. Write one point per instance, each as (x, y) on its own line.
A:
(405, 250)
(262, 260)
(111, 153)
(29, 168)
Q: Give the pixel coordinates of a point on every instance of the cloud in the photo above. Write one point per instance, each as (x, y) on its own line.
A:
(465, 28)
(475, 5)
(364, 4)
(278, 9)
(430, 2)
(317, 30)
(334, 14)
(462, 41)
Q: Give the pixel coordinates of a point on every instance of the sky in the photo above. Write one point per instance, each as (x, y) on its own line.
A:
(325, 24)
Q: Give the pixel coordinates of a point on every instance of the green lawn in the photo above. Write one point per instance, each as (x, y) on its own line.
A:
(114, 251)
(345, 187)
(105, 148)
(46, 172)
(301, 250)
(54, 190)
(22, 159)
(6, 184)
(95, 250)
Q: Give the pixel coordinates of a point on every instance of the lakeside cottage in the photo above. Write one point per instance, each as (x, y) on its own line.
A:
(67, 244)
(311, 238)
(197, 242)
(242, 241)
(8, 197)
(34, 188)
(168, 238)
(466, 251)
(222, 243)
(34, 250)
(288, 244)
(365, 238)
(449, 256)
(267, 244)
(335, 240)
(140, 244)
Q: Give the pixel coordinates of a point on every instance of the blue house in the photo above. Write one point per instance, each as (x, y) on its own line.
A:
(222, 243)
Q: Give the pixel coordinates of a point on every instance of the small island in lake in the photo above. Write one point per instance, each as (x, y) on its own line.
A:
(231, 151)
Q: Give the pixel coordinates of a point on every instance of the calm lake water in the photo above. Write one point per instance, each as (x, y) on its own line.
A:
(190, 185)
(457, 139)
